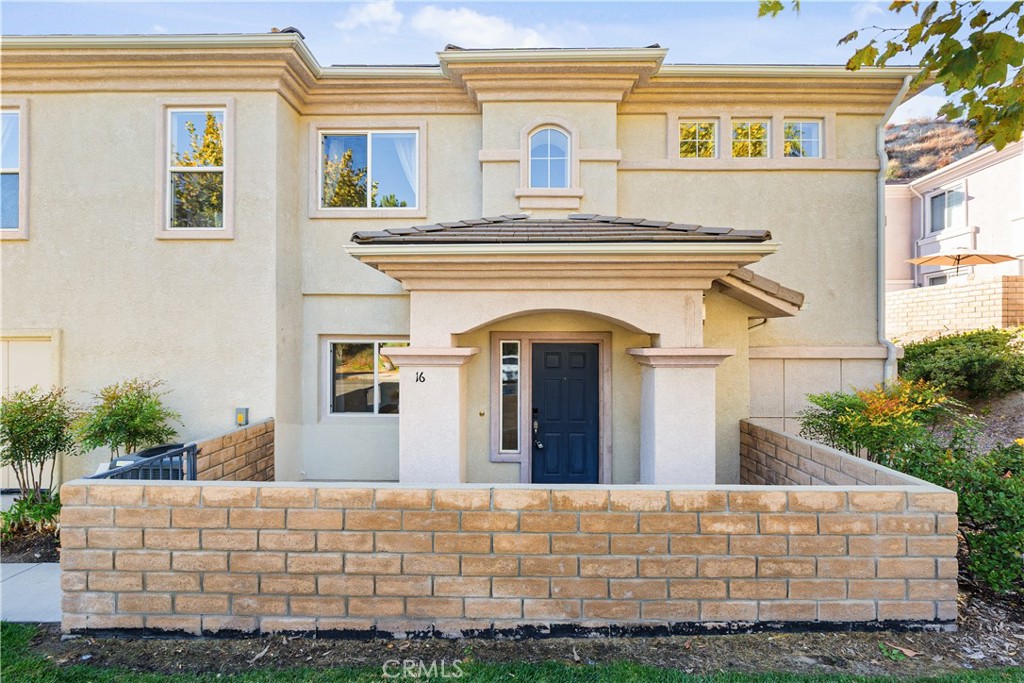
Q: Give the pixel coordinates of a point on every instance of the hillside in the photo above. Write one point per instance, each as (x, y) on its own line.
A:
(921, 146)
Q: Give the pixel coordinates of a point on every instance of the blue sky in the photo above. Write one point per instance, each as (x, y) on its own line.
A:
(390, 32)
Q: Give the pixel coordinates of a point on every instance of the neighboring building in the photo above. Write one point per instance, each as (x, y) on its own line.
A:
(223, 213)
(977, 204)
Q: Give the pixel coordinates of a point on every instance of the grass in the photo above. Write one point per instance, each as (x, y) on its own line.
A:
(19, 665)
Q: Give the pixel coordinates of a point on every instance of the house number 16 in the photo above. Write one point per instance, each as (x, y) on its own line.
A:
(420, 377)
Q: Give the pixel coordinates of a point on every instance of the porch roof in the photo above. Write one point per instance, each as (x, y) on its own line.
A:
(575, 228)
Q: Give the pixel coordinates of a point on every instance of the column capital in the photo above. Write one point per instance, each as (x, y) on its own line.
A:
(680, 356)
(431, 357)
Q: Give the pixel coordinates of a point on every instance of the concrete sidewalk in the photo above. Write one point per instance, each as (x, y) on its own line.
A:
(30, 592)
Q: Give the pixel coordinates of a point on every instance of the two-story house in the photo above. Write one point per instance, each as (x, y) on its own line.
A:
(531, 265)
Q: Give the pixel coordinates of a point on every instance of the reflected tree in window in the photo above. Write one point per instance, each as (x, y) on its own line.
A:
(197, 196)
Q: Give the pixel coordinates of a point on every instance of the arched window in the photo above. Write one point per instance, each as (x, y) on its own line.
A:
(549, 158)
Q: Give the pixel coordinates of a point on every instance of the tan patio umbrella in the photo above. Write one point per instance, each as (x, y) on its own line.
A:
(961, 257)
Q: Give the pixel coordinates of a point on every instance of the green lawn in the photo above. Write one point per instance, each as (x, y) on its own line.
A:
(18, 665)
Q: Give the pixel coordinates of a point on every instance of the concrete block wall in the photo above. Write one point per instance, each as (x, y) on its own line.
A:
(208, 557)
(245, 454)
(913, 314)
(772, 458)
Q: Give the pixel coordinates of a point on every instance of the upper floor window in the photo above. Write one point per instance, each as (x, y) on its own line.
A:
(10, 170)
(750, 139)
(366, 170)
(946, 209)
(196, 168)
(802, 139)
(698, 139)
(549, 159)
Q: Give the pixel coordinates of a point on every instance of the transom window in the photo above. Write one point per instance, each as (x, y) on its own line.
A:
(946, 209)
(697, 139)
(10, 170)
(750, 139)
(363, 379)
(549, 159)
(373, 169)
(196, 168)
(802, 139)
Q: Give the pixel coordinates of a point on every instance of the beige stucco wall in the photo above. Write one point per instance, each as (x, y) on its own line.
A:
(192, 313)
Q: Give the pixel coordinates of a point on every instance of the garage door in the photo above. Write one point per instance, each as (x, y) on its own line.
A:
(24, 363)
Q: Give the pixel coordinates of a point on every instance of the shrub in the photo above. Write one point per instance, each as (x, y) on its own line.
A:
(980, 364)
(40, 514)
(35, 428)
(129, 416)
(885, 421)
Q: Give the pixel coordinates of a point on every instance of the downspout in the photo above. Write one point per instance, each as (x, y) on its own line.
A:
(889, 369)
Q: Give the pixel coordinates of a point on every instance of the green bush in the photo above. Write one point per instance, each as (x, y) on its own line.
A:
(894, 425)
(980, 364)
(41, 515)
(36, 427)
(130, 415)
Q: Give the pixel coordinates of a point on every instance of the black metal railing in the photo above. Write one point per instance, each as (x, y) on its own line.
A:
(176, 464)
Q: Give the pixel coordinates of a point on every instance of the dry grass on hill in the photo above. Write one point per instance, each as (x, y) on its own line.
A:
(921, 146)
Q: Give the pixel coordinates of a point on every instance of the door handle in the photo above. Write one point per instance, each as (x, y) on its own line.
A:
(536, 441)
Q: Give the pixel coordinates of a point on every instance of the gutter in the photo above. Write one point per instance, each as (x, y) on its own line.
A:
(537, 249)
(891, 353)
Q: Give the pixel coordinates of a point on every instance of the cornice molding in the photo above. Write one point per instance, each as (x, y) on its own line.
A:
(680, 357)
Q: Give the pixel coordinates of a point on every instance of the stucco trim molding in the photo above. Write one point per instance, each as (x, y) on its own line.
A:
(432, 357)
(680, 357)
(819, 352)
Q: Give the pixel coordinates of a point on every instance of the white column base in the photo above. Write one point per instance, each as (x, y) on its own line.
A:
(677, 414)
(432, 418)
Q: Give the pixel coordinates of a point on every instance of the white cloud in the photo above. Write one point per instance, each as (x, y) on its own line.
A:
(378, 16)
(924, 106)
(157, 28)
(467, 28)
(864, 11)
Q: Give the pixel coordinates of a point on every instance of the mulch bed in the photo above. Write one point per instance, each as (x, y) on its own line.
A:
(991, 634)
(31, 546)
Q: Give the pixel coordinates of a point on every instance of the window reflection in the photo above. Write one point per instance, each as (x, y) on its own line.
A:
(510, 396)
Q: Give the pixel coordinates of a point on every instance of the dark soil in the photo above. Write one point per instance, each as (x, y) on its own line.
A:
(991, 634)
(31, 546)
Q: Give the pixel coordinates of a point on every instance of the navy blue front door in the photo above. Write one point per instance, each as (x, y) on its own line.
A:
(565, 413)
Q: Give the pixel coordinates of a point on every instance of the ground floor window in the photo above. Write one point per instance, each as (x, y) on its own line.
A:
(363, 378)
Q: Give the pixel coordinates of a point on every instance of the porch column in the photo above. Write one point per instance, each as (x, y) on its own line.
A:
(432, 419)
(677, 414)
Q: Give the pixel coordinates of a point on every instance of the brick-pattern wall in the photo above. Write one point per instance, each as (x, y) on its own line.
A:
(213, 556)
(245, 454)
(772, 458)
(913, 314)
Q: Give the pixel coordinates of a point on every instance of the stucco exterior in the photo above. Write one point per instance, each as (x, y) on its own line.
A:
(244, 317)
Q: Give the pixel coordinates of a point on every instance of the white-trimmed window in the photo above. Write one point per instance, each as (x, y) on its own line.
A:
(802, 139)
(362, 379)
(946, 209)
(698, 139)
(12, 176)
(196, 160)
(510, 400)
(750, 139)
(369, 169)
(936, 280)
(549, 159)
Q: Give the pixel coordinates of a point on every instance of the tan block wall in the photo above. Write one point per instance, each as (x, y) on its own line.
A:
(772, 458)
(210, 557)
(913, 314)
(242, 455)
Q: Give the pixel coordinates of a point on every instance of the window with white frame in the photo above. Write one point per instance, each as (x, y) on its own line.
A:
(936, 280)
(750, 139)
(511, 396)
(549, 159)
(369, 169)
(10, 170)
(363, 378)
(698, 139)
(802, 139)
(196, 162)
(946, 209)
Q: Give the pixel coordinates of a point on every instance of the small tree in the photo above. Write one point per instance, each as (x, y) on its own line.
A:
(130, 415)
(35, 428)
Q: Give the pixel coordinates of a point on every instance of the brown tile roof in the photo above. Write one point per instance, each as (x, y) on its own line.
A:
(768, 286)
(578, 227)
